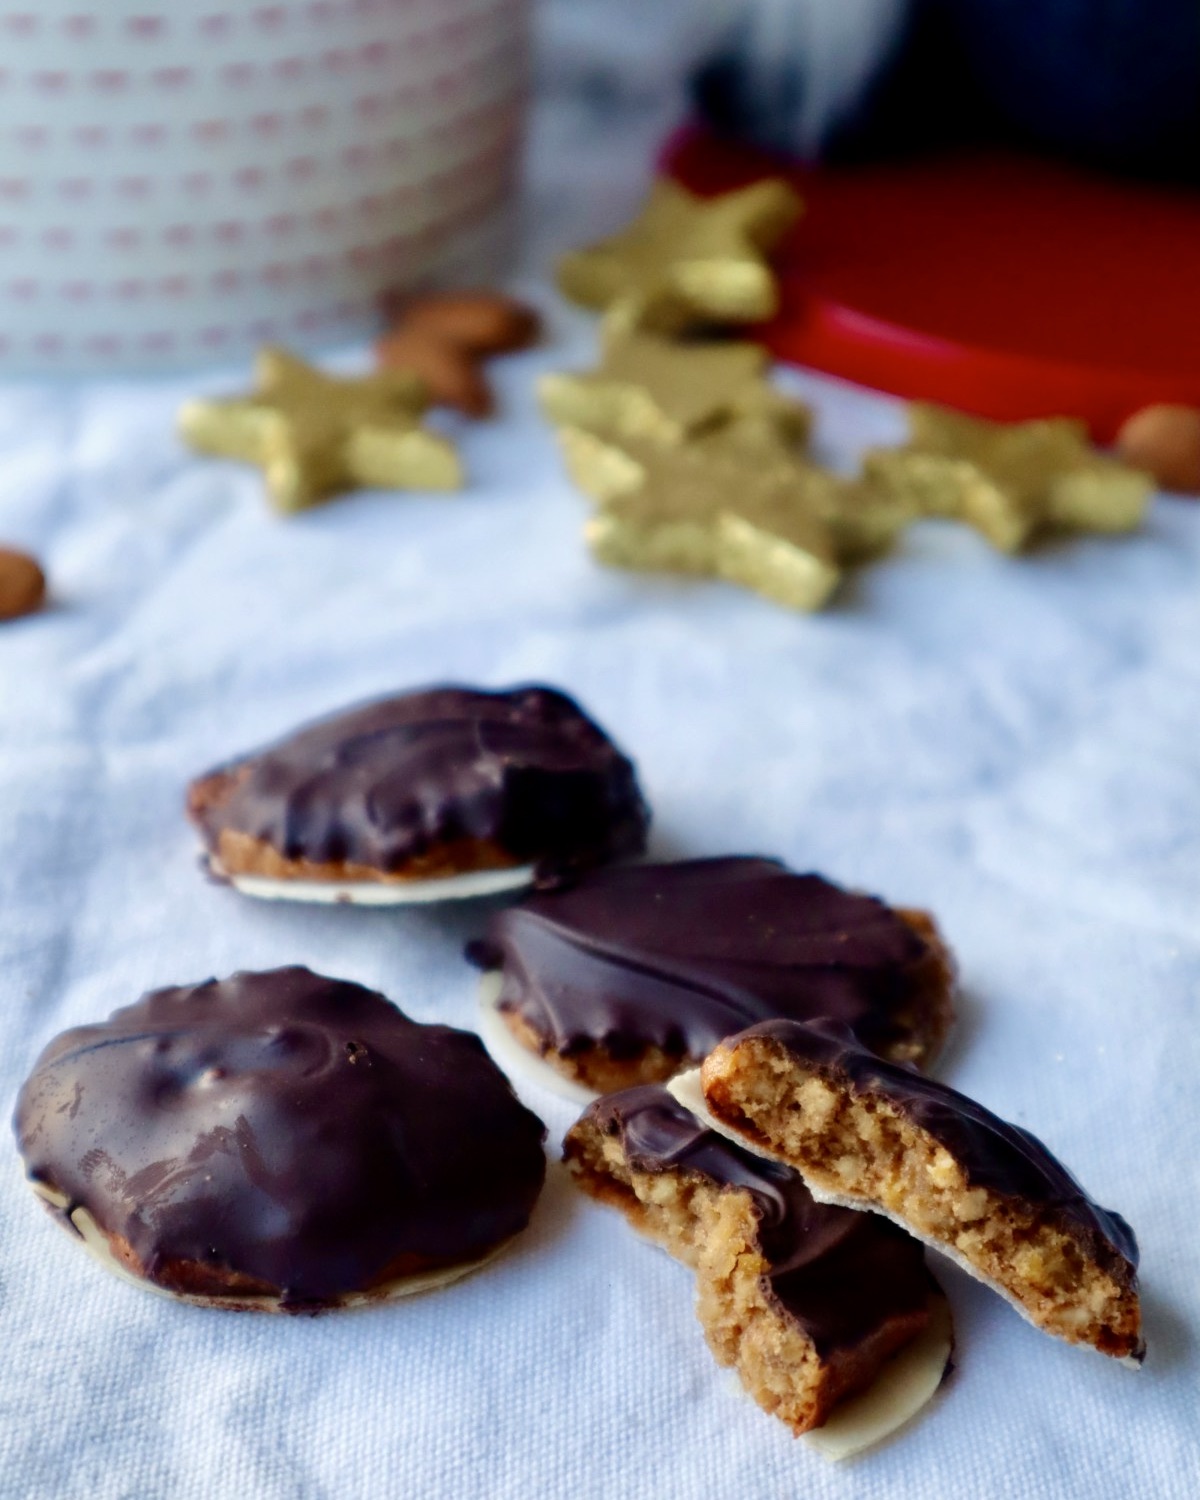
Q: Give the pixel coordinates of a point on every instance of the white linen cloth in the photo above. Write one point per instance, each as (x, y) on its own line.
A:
(1010, 743)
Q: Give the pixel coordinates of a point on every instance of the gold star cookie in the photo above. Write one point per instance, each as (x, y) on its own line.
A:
(686, 260)
(669, 391)
(1012, 481)
(706, 511)
(315, 436)
(862, 518)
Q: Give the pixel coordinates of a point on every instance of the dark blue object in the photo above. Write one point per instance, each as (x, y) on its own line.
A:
(1114, 83)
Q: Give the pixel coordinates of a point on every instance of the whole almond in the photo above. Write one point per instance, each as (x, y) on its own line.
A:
(22, 584)
(485, 322)
(449, 370)
(1164, 441)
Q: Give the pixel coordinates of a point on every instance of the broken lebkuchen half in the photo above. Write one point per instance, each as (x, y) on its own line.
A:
(868, 1134)
(807, 1302)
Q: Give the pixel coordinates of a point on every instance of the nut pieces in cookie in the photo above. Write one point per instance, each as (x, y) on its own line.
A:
(806, 1302)
(870, 1135)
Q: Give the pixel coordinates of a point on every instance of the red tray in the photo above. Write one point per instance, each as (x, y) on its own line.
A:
(1003, 285)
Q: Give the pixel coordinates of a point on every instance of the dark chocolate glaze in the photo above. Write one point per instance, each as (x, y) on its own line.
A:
(841, 1274)
(383, 783)
(678, 956)
(1003, 1158)
(287, 1127)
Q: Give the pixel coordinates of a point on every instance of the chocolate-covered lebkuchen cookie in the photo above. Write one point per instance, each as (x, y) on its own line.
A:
(443, 792)
(279, 1140)
(871, 1135)
(805, 1301)
(629, 975)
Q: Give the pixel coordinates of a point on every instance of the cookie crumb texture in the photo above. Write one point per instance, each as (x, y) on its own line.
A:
(806, 1320)
(428, 785)
(279, 1140)
(1041, 1244)
(595, 1068)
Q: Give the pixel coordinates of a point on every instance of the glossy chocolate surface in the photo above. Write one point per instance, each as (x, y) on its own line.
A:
(284, 1126)
(841, 1274)
(383, 783)
(993, 1154)
(678, 956)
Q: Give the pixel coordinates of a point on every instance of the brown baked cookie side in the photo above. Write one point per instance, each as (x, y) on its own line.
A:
(925, 1017)
(988, 1194)
(805, 1302)
(629, 976)
(595, 1064)
(595, 1067)
(433, 784)
(235, 853)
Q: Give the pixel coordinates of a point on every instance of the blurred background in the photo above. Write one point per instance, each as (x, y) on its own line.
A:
(179, 186)
(1115, 83)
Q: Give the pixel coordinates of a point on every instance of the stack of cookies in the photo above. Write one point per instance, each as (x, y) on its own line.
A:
(759, 1042)
(752, 1046)
(698, 465)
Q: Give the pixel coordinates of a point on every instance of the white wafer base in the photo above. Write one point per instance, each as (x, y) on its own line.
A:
(952, 1254)
(514, 1059)
(906, 1384)
(471, 886)
(685, 1089)
(95, 1242)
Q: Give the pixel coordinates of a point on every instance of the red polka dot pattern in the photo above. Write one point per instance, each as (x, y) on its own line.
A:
(181, 186)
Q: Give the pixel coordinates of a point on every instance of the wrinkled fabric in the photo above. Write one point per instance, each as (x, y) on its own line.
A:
(1010, 743)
